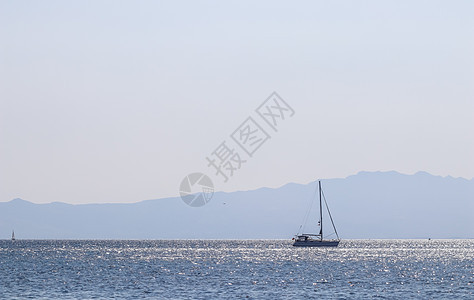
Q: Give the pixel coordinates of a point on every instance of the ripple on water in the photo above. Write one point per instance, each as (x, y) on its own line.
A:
(220, 269)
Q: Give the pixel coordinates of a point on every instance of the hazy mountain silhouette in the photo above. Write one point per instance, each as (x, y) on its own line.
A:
(366, 205)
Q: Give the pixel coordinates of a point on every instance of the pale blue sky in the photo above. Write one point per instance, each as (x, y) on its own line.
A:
(107, 101)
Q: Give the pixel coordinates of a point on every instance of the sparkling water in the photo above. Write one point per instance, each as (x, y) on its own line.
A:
(244, 269)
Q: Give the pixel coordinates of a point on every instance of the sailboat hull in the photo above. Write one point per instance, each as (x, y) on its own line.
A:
(316, 243)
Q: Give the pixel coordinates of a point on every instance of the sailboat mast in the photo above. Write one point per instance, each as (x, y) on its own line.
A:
(320, 211)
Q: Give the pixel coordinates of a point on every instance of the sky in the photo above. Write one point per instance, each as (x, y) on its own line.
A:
(118, 101)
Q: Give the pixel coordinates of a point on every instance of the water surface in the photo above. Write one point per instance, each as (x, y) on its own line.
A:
(249, 269)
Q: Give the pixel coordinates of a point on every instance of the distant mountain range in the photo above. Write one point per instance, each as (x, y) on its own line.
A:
(366, 205)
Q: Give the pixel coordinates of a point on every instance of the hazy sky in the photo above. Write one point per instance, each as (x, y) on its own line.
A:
(108, 101)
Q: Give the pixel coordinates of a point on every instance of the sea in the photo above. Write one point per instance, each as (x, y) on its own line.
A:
(237, 269)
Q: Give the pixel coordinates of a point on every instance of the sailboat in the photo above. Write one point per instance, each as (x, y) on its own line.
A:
(13, 235)
(317, 240)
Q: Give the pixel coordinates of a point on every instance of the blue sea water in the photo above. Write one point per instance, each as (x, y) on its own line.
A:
(244, 269)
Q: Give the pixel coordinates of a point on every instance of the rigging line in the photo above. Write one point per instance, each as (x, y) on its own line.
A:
(305, 219)
(335, 230)
(299, 230)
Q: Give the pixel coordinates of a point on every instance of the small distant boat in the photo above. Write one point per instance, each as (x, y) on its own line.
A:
(317, 240)
(13, 235)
